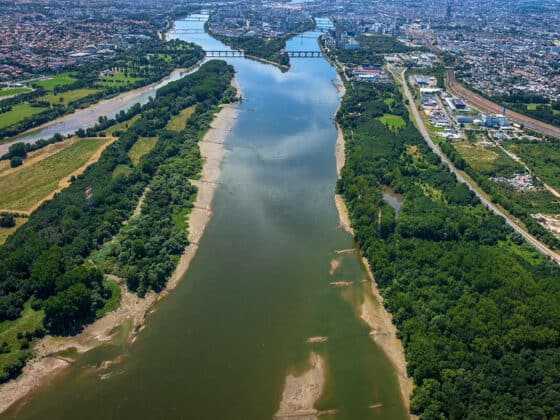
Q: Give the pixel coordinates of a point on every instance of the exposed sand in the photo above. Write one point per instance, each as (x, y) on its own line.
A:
(549, 221)
(384, 332)
(301, 392)
(335, 264)
(339, 147)
(317, 340)
(132, 308)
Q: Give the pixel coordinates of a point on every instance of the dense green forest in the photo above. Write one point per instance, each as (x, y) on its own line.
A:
(128, 69)
(476, 308)
(46, 262)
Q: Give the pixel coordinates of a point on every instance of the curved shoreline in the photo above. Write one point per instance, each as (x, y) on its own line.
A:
(119, 101)
(373, 312)
(132, 309)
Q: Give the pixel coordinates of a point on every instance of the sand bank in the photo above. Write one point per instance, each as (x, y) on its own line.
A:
(384, 332)
(132, 309)
(301, 392)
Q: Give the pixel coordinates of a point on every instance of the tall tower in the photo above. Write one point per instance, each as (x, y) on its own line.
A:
(448, 9)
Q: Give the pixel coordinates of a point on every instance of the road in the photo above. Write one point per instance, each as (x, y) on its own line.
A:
(518, 160)
(484, 105)
(539, 246)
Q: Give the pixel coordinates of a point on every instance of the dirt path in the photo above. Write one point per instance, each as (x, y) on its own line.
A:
(132, 309)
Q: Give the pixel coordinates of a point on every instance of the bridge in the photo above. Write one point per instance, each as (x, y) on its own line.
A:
(189, 31)
(238, 53)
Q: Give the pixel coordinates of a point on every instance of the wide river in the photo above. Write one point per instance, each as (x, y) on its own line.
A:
(222, 344)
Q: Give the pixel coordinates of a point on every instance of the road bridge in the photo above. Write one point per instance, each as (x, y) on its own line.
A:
(239, 53)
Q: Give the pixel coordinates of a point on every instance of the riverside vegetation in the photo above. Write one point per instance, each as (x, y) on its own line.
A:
(476, 308)
(82, 86)
(48, 282)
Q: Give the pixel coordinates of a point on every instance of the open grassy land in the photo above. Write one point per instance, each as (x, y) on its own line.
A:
(122, 126)
(394, 122)
(18, 113)
(23, 188)
(122, 170)
(484, 165)
(66, 97)
(37, 155)
(142, 146)
(478, 157)
(542, 157)
(29, 321)
(58, 80)
(119, 79)
(179, 121)
(13, 91)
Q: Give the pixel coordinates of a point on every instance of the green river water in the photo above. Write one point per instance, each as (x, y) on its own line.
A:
(221, 345)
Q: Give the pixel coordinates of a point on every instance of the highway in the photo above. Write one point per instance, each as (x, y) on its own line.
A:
(485, 105)
(539, 246)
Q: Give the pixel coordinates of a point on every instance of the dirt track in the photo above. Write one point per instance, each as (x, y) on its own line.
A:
(486, 105)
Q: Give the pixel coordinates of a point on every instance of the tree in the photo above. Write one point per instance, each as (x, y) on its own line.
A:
(16, 161)
(7, 221)
(18, 149)
(68, 311)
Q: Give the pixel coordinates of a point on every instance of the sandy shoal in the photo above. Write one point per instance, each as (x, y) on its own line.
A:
(132, 309)
(301, 392)
(383, 331)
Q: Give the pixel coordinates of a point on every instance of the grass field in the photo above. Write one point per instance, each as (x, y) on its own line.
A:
(121, 126)
(5, 232)
(13, 91)
(18, 113)
(119, 79)
(28, 322)
(23, 188)
(478, 158)
(179, 121)
(122, 170)
(66, 97)
(58, 80)
(542, 157)
(394, 122)
(140, 148)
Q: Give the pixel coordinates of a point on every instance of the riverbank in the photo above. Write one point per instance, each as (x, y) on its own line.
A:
(133, 310)
(106, 107)
(373, 313)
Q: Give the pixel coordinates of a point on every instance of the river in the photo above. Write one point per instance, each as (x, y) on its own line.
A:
(222, 344)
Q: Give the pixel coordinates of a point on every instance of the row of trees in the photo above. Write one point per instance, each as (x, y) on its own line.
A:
(46, 259)
(476, 308)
